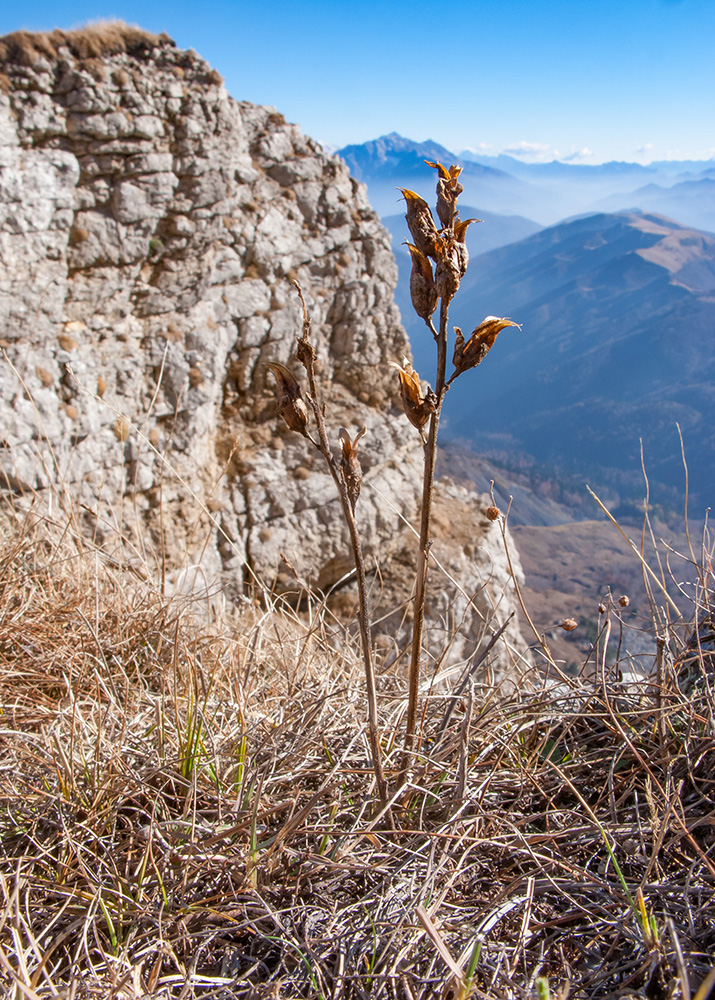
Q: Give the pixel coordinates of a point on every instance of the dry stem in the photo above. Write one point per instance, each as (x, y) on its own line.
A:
(430, 453)
(306, 355)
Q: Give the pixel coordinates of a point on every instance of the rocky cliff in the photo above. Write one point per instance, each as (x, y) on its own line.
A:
(150, 230)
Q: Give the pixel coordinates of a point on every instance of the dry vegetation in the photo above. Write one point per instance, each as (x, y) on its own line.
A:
(92, 42)
(189, 809)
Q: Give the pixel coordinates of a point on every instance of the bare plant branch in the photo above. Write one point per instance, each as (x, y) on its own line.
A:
(347, 478)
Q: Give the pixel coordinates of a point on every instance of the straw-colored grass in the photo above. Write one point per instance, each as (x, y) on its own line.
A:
(95, 41)
(188, 807)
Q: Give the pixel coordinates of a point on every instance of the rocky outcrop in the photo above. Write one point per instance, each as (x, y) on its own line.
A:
(150, 231)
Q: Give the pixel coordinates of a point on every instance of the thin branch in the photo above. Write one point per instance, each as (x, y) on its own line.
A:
(306, 355)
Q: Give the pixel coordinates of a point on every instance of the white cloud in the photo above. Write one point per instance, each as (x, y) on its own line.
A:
(481, 147)
(534, 151)
(697, 154)
(582, 155)
(542, 152)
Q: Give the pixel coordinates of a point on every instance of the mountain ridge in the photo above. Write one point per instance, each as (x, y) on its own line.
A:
(546, 192)
(391, 162)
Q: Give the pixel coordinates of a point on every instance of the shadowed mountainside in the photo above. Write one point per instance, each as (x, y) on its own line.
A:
(617, 347)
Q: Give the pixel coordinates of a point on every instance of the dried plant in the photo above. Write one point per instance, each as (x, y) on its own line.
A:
(347, 475)
(185, 806)
(444, 250)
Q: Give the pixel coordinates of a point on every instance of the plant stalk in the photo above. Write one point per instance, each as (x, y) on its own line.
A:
(306, 355)
(430, 457)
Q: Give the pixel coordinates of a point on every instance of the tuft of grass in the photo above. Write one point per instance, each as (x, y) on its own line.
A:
(95, 41)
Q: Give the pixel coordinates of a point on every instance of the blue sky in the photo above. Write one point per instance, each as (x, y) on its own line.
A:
(613, 79)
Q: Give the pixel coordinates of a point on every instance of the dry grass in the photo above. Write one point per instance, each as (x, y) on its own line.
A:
(188, 808)
(95, 41)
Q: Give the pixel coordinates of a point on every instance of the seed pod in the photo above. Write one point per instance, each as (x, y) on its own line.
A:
(460, 235)
(420, 223)
(569, 624)
(448, 272)
(290, 400)
(624, 600)
(602, 609)
(418, 408)
(492, 513)
(422, 290)
(350, 464)
(448, 191)
(472, 353)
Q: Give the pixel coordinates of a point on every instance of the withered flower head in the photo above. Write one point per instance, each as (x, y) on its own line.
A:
(418, 408)
(472, 353)
(420, 222)
(422, 289)
(448, 191)
(291, 405)
(448, 270)
(350, 464)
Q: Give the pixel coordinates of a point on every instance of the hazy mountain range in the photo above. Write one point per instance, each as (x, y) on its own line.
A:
(545, 192)
(618, 316)
(392, 162)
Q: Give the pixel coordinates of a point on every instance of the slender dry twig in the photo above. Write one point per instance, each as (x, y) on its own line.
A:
(430, 450)
(347, 478)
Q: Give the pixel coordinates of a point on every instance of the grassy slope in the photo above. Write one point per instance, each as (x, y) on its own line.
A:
(188, 808)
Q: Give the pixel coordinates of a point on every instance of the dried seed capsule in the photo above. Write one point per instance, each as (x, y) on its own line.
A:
(460, 235)
(448, 191)
(291, 405)
(448, 272)
(350, 464)
(475, 350)
(492, 513)
(417, 407)
(420, 223)
(569, 624)
(624, 600)
(422, 290)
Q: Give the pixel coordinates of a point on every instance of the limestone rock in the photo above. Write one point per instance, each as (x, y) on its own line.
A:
(150, 231)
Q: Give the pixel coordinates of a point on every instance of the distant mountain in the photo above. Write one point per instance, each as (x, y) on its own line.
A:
(690, 201)
(618, 345)
(678, 167)
(546, 192)
(557, 170)
(575, 188)
(392, 162)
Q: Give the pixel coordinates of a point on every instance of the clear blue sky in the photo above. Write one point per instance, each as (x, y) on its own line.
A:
(612, 79)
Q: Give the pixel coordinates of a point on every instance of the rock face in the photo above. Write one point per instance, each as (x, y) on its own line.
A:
(150, 231)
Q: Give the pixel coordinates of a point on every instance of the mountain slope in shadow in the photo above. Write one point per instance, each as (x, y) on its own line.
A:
(617, 346)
